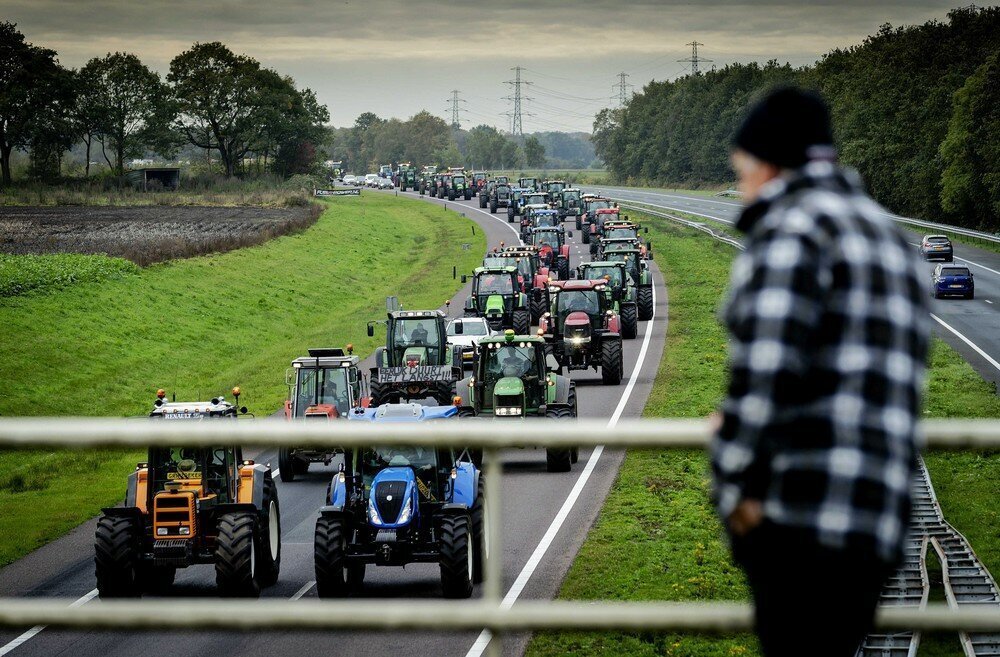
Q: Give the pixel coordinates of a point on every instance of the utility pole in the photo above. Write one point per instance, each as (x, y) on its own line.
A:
(694, 59)
(516, 125)
(455, 109)
(622, 88)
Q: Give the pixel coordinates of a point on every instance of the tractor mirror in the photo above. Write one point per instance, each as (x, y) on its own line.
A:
(570, 234)
(459, 327)
(551, 363)
(465, 279)
(371, 331)
(647, 230)
(289, 377)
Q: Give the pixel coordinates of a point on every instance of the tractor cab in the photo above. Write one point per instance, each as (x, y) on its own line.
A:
(570, 203)
(497, 296)
(537, 198)
(503, 180)
(638, 270)
(612, 244)
(591, 204)
(553, 251)
(536, 281)
(416, 361)
(528, 183)
(553, 187)
(191, 505)
(392, 506)
(623, 292)
(544, 218)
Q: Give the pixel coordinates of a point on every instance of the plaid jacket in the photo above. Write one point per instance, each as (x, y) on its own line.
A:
(829, 329)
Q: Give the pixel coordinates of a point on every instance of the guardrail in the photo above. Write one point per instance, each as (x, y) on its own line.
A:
(989, 237)
(697, 225)
(488, 613)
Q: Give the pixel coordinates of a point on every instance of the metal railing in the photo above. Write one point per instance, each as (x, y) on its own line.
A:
(486, 613)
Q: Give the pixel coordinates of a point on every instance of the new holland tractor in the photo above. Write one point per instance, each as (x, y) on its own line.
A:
(497, 297)
(513, 379)
(325, 385)
(583, 330)
(538, 218)
(638, 270)
(416, 361)
(191, 505)
(553, 251)
(392, 506)
(514, 207)
(624, 294)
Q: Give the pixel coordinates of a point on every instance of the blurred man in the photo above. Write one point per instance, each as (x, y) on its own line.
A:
(817, 438)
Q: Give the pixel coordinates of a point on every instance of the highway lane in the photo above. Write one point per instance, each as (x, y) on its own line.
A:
(972, 327)
(532, 500)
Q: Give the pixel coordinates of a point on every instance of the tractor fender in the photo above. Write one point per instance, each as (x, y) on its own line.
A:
(130, 489)
(611, 335)
(564, 251)
(338, 493)
(454, 509)
(257, 497)
(122, 512)
(561, 390)
(332, 512)
(614, 324)
(465, 484)
(380, 357)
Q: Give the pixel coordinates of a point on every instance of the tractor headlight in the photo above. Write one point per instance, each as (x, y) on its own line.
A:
(161, 531)
(184, 531)
(404, 515)
(373, 513)
(576, 340)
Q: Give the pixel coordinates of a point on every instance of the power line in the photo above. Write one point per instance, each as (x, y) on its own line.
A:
(516, 115)
(455, 108)
(694, 59)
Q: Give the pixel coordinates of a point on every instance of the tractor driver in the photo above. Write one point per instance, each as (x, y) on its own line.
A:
(515, 363)
(579, 302)
(330, 394)
(419, 334)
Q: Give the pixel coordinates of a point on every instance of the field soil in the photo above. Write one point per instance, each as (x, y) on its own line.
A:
(145, 235)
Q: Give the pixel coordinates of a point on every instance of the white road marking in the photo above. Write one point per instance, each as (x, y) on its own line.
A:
(975, 347)
(483, 640)
(28, 635)
(988, 301)
(305, 589)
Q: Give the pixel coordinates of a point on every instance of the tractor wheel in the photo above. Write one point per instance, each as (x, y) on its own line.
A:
(594, 248)
(579, 222)
(267, 549)
(443, 393)
(645, 298)
(630, 321)
(235, 558)
(559, 459)
(611, 362)
(482, 201)
(493, 207)
(585, 231)
(468, 195)
(330, 558)
(456, 556)
(538, 308)
(301, 466)
(562, 265)
(466, 412)
(286, 465)
(381, 395)
(510, 216)
(153, 578)
(451, 195)
(116, 544)
(521, 322)
(480, 527)
(575, 455)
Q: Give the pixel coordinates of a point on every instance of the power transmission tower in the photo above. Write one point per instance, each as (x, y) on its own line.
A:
(622, 88)
(516, 125)
(455, 109)
(694, 59)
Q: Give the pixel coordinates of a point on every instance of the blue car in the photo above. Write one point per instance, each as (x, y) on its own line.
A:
(391, 506)
(952, 281)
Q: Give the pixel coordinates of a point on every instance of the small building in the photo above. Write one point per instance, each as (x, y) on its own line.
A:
(154, 178)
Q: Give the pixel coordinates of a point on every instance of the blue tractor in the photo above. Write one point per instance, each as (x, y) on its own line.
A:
(391, 506)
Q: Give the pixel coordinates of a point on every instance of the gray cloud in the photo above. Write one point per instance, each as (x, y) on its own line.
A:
(396, 58)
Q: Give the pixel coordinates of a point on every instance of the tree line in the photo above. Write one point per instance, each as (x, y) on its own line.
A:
(211, 99)
(428, 139)
(915, 109)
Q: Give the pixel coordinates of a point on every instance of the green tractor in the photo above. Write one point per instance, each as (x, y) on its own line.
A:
(407, 178)
(624, 294)
(416, 362)
(570, 205)
(514, 378)
(638, 270)
(457, 186)
(498, 297)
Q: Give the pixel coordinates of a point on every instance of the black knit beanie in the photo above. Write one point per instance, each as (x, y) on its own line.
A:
(788, 128)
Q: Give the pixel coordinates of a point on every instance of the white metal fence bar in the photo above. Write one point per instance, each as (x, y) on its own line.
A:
(101, 432)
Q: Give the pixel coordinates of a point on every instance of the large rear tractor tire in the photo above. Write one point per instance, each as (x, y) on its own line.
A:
(521, 322)
(456, 556)
(510, 216)
(562, 266)
(630, 321)
(468, 195)
(585, 231)
(482, 201)
(268, 547)
(645, 298)
(235, 556)
(559, 459)
(116, 557)
(286, 464)
(330, 558)
(611, 362)
(382, 394)
(480, 529)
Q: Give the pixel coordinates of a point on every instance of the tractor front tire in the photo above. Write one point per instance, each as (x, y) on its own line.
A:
(443, 393)
(493, 207)
(538, 308)
(630, 321)
(330, 558)
(611, 362)
(586, 234)
(482, 201)
(382, 395)
(267, 550)
(521, 322)
(480, 527)
(510, 216)
(451, 196)
(579, 222)
(116, 548)
(235, 546)
(456, 556)
(645, 298)
(286, 465)
(468, 195)
(559, 459)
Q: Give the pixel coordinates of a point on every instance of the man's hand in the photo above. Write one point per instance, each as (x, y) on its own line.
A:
(747, 515)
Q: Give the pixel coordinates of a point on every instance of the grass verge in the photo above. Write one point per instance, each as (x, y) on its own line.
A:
(658, 538)
(198, 327)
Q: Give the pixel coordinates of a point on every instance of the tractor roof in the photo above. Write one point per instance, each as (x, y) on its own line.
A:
(217, 407)
(545, 211)
(601, 263)
(403, 413)
(607, 211)
(576, 284)
(326, 357)
(493, 270)
(517, 339)
(550, 229)
(405, 314)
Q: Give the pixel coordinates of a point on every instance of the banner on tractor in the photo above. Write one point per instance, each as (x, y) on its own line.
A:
(337, 192)
(419, 374)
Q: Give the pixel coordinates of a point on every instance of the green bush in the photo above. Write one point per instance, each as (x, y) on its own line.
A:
(21, 274)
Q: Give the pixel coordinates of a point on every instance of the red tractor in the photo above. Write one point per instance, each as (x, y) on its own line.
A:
(553, 251)
(536, 278)
(582, 328)
(595, 229)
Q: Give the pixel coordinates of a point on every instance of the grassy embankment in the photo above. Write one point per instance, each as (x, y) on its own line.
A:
(198, 327)
(658, 538)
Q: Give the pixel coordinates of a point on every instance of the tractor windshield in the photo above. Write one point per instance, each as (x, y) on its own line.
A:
(426, 462)
(630, 258)
(545, 219)
(614, 274)
(326, 385)
(514, 359)
(629, 233)
(571, 196)
(495, 284)
(503, 190)
(599, 205)
(555, 187)
(548, 238)
(537, 199)
(584, 301)
(192, 466)
(458, 180)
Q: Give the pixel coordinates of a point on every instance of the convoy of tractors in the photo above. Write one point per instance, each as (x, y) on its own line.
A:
(387, 506)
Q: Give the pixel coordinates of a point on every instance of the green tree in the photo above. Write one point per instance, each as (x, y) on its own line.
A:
(534, 152)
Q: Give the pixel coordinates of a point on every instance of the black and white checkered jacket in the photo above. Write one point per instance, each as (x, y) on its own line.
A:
(829, 329)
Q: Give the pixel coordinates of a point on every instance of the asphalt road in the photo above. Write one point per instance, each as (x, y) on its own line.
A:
(545, 519)
(972, 327)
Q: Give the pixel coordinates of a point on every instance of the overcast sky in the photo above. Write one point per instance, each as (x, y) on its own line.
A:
(398, 57)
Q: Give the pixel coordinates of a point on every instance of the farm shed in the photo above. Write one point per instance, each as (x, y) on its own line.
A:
(154, 178)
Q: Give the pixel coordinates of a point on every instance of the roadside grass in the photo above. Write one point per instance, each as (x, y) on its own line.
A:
(658, 538)
(25, 274)
(198, 327)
